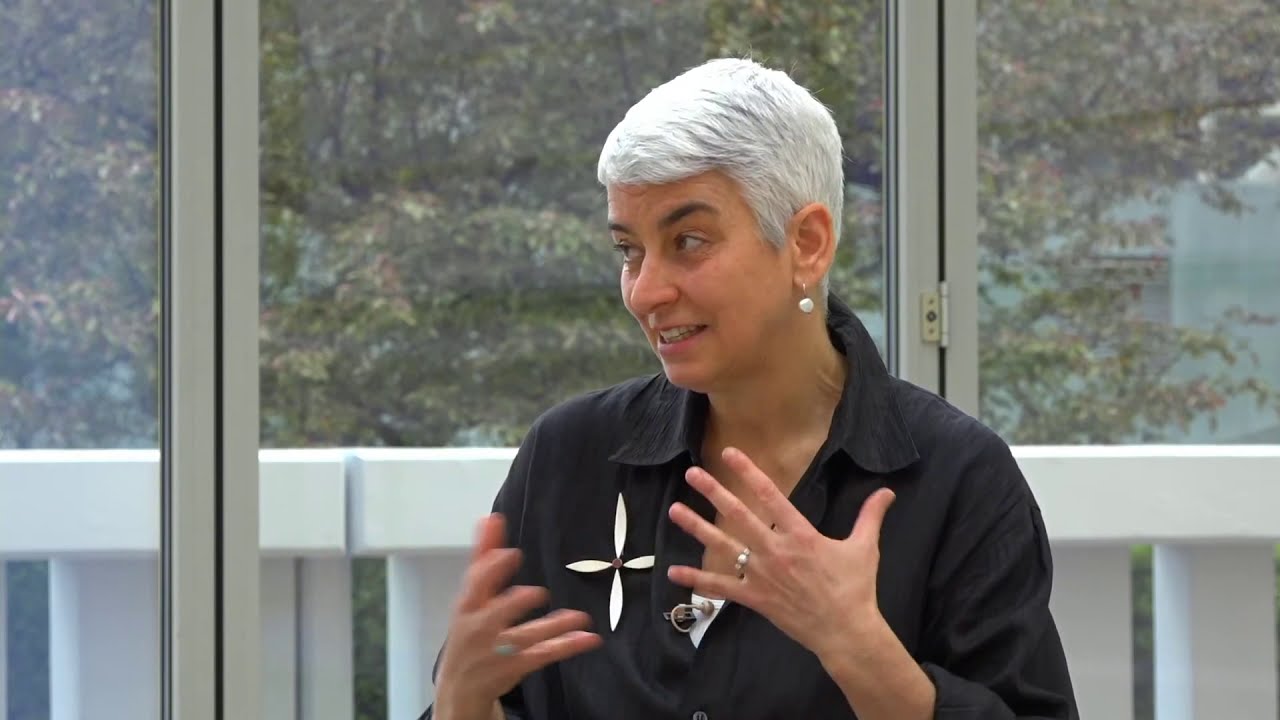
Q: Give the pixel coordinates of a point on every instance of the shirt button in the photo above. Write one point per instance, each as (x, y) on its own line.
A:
(700, 716)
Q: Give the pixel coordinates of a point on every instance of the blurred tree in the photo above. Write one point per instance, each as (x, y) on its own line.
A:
(435, 252)
(78, 241)
(78, 230)
(1090, 112)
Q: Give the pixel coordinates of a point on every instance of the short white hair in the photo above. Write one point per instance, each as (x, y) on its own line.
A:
(754, 124)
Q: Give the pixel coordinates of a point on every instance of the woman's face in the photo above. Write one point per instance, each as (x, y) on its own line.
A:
(712, 296)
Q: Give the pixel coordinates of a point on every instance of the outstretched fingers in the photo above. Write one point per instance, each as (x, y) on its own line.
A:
(560, 647)
(511, 605)
(777, 505)
(490, 533)
(871, 516)
(549, 639)
(704, 532)
(755, 532)
(492, 566)
(549, 627)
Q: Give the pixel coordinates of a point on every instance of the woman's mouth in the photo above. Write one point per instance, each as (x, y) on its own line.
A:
(676, 334)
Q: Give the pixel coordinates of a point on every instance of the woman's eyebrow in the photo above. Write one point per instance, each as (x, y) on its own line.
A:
(672, 217)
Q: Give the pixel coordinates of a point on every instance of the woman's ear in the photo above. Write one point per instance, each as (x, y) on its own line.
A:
(812, 240)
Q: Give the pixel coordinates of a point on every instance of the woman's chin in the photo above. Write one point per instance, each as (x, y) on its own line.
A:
(690, 378)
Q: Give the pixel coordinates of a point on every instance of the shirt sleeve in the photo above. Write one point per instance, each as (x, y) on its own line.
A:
(510, 502)
(993, 651)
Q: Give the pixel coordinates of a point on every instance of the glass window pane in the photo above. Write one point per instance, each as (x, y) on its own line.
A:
(79, 236)
(1129, 160)
(436, 269)
(1129, 257)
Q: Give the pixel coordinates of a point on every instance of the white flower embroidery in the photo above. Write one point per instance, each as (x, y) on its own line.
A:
(590, 566)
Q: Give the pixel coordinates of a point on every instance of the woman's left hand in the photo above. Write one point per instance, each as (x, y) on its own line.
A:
(820, 591)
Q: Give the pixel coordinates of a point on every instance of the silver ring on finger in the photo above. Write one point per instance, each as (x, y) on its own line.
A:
(740, 565)
(505, 649)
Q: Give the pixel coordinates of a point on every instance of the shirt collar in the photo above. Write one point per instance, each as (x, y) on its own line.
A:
(867, 425)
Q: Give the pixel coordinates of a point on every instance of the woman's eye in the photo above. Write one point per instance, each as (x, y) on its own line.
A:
(690, 242)
(626, 250)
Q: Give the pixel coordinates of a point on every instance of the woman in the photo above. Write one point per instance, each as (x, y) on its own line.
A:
(724, 528)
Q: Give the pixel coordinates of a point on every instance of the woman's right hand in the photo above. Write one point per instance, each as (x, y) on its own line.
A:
(486, 654)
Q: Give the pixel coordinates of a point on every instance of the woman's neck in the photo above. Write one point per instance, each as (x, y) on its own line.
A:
(794, 397)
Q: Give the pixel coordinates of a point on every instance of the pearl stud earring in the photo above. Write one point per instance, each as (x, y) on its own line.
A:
(806, 303)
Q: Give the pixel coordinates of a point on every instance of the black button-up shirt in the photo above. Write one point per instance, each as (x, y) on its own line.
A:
(964, 577)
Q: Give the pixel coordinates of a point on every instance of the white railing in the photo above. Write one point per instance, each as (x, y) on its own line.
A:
(1212, 512)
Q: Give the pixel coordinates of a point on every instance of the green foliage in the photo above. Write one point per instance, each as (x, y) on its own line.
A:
(27, 625)
(369, 603)
(78, 234)
(1143, 633)
(442, 273)
(1082, 109)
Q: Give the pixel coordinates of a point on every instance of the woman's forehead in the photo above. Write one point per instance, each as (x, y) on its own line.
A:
(659, 203)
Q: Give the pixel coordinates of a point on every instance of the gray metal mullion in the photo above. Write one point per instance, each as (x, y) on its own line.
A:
(913, 227)
(240, 624)
(959, 116)
(189, 410)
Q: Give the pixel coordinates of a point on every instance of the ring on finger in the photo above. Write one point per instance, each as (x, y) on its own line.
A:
(740, 565)
(505, 649)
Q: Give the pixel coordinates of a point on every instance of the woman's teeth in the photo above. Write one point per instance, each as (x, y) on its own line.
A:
(677, 334)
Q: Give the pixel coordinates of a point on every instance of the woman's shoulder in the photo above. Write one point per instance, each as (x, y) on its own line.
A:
(597, 416)
(974, 455)
(934, 422)
(574, 438)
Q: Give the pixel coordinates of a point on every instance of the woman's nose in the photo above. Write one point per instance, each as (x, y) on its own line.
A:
(651, 288)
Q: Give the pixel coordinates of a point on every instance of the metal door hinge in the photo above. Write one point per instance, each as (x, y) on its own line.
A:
(933, 316)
